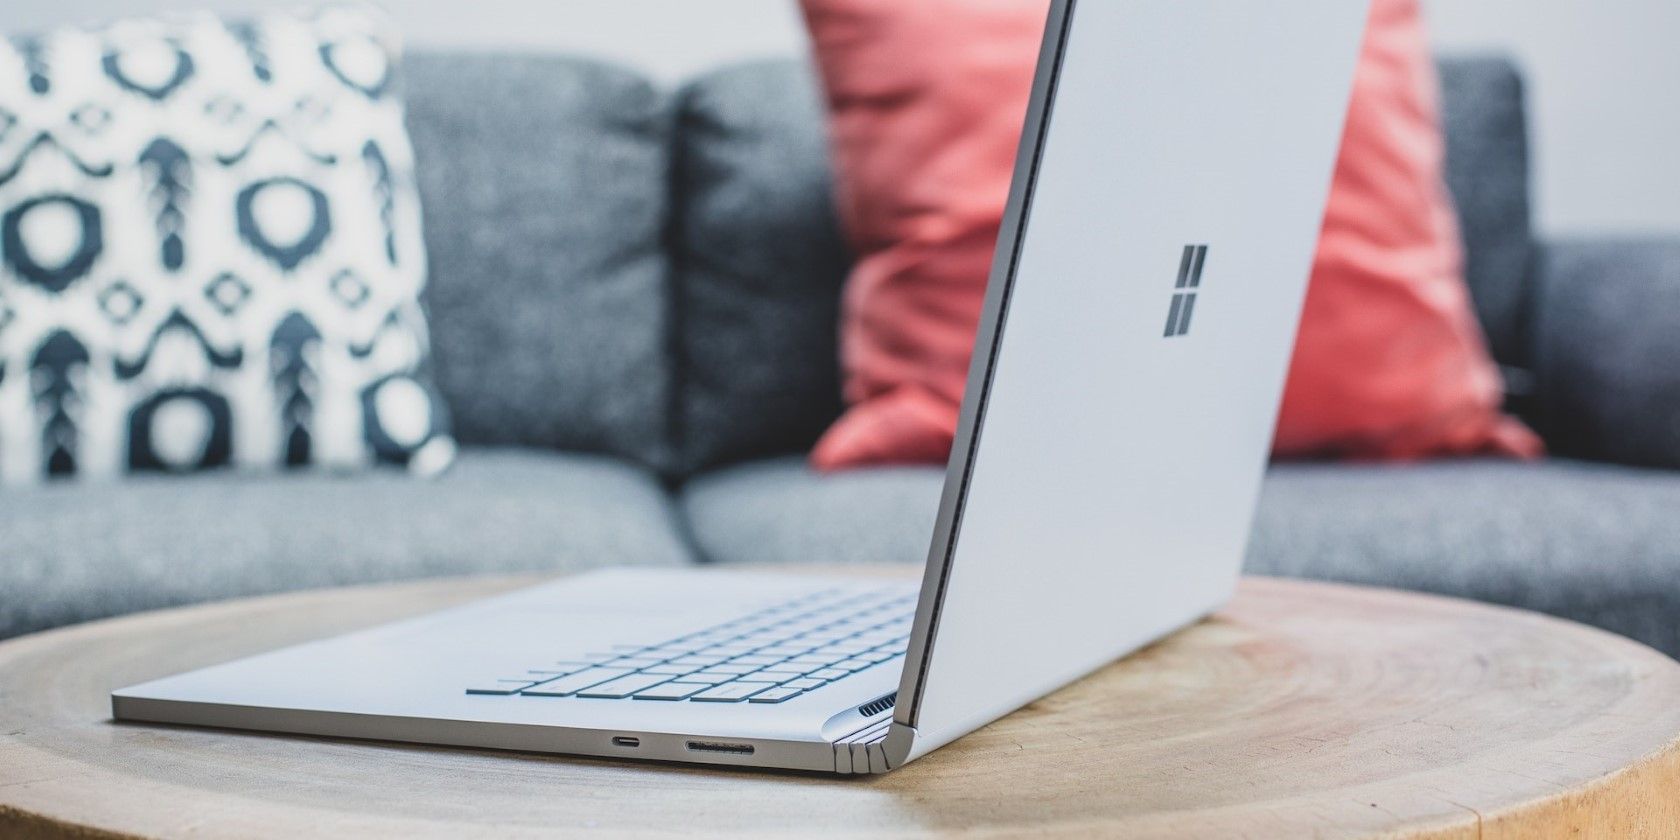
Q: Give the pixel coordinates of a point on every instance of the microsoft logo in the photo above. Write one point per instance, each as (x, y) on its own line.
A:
(1184, 299)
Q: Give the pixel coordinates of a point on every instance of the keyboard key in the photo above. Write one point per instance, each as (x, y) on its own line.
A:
(786, 668)
(775, 695)
(819, 657)
(633, 662)
(759, 660)
(813, 663)
(728, 650)
(803, 684)
(700, 640)
(500, 687)
(828, 674)
(731, 668)
(672, 651)
(569, 685)
(697, 660)
(671, 691)
(624, 686)
(545, 676)
(731, 692)
(708, 679)
(715, 653)
(854, 664)
(671, 670)
(783, 650)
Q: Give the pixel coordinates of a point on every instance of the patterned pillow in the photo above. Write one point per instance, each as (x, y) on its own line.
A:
(210, 250)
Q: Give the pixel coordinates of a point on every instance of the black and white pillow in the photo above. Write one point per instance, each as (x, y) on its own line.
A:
(210, 250)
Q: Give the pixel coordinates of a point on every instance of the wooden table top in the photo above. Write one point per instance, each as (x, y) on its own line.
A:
(1301, 710)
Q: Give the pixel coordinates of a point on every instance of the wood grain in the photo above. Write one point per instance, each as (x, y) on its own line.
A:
(1301, 710)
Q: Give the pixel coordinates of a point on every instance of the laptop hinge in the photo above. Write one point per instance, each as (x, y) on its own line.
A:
(852, 753)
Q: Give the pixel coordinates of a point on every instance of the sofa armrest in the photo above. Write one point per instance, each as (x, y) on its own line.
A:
(1606, 349)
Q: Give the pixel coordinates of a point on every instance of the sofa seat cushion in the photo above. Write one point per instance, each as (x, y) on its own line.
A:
(76, 553)
(1589, 542)
(1595, 543)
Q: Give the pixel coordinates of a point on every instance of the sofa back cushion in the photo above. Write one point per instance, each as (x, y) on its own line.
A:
(759, 265)
(756, 350)
(544, 184)
(1487, 169)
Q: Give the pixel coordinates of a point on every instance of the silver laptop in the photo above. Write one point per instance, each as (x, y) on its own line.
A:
(1137, 329)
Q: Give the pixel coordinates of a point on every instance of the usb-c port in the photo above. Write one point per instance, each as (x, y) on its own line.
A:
(626, 741)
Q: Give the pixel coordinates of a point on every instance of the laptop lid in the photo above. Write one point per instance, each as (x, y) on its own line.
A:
(1130, 361)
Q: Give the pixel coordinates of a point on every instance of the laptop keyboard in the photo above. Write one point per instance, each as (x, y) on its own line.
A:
(769, 656)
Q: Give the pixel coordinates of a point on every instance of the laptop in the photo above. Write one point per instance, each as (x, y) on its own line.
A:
(1127, 372)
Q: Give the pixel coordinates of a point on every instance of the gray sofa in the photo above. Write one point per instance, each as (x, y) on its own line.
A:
(633, 299)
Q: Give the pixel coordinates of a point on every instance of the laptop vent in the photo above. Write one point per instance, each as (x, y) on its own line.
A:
(878, 705)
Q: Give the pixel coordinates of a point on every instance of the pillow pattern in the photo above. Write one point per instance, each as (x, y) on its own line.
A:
(926, 101)
(210, 250)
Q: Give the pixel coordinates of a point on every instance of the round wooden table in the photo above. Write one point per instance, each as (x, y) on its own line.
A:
(1301, 710)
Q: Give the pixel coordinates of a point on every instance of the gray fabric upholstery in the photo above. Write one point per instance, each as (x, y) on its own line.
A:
(1483, 112)
(780, 511)
(759, 262)
(1593, 543)
(77, 552)
(543, 182)
(1607, 351)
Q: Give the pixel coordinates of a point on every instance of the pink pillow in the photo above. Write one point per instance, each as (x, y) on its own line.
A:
(926, 101)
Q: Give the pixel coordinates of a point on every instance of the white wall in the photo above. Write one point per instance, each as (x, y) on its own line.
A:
(1603, 73)
(1604, 86)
